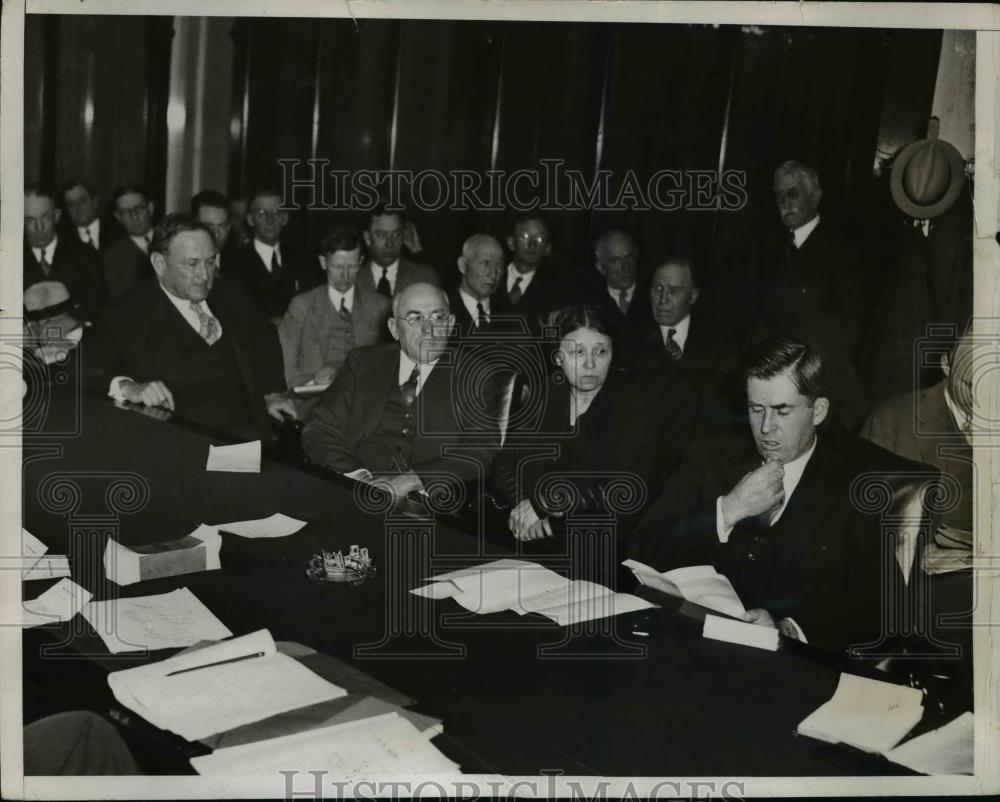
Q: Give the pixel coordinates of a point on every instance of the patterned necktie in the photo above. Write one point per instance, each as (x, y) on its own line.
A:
(516, 292)
(208, 325)
(344, 311)
(44, 264)
(481, 319)
(383, 283)
(409, 387)
(623, 301)
(673, 347)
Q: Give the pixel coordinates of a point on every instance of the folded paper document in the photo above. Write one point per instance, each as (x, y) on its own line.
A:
(742, 632)
(277, 525)
(386, 745)
(59, 603)
(167, 621)
(867, 714)
(237, 458)
(36, 564)
(526, 587)
(31, 546)
(946, 750)
(218, 688)
(199, 551)
(699, 584)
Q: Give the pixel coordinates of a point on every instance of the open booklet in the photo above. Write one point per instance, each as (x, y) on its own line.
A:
(378, 746)
(699, 584)
(220, 687)
(527, 587)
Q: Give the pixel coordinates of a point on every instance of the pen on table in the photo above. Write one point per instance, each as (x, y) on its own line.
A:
(216, 663)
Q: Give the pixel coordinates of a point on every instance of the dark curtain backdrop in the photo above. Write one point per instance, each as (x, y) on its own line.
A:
(412, 95)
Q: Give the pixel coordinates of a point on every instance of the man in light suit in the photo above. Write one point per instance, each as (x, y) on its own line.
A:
(323, 325)
(393, 409)
(773, 512)
(184, 342)
(126, 262)
(387, 271)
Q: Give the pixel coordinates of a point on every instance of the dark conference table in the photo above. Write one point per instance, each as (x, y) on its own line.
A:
(518, 696)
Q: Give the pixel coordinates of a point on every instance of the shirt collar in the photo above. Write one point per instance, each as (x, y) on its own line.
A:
(957, 415)
(470, 303)
(264, 251)
(513, 274)
(801, 234)
(406, 366)
(680, 331)
(794, 471)
(336, 297)
(49, 250)
(183, 305)
(616, 294)
(142, 241)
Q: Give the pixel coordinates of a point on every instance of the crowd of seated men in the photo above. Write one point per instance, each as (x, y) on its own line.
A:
(550, 393)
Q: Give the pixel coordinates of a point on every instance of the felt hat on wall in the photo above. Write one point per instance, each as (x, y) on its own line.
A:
(927, 176)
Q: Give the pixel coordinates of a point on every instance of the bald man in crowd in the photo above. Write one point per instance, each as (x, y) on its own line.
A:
(481, 268)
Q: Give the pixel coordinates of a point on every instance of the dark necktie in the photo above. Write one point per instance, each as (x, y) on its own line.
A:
(344, 311)
(89, 240)
(790, 248)
(383, 283)
(673, 347)
(409, 387)
(623, 301)
(516, 292)
(275, 264)
(43, 263)
(481, 319)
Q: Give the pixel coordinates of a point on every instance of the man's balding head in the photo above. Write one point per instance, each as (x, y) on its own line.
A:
(481, 265)
(797, 193)
(421, 321)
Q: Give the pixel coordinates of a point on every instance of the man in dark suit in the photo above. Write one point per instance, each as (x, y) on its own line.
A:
(394, 408)
(614, 284)
(51, 257)
(271, 270)
(774, 512)
(126, 261)
(814, 294)
(187, 343)
(387, 271)
(83, 209)
(531, 289)
(481, 267)
(212, 209)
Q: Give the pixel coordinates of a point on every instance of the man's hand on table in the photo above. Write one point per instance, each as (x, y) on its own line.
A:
(150, 394)
(279, 406)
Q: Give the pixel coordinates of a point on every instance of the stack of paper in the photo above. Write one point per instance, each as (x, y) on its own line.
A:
(386, 745)
(226, 685)
(951, 550)
(199, 551)
(59, 603)
(168, 621)
(865, 713)
(946, 750)
(37, 564)
(277, 525)
(699, 584)
(238, 458)
(526, 587)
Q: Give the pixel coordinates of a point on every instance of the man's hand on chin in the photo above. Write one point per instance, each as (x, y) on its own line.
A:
(280, 406)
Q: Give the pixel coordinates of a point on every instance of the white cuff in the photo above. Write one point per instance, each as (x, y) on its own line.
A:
(115, 388)
(721, 529)
(360, 474)
(791, 624)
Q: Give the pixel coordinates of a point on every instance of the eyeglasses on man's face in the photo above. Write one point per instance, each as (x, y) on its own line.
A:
(526, 238)
(267, 215)
(388, 236)
(418, 319)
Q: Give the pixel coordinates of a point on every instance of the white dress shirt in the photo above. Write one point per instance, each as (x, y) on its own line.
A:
(680, 332)
(265, 252)
(339, 298)
(92, 233)
(406, 366)
(142, 243)
(391, 272)
(49, 250)
(469, 302)
(801, 234)
(616, 295)
(513, 275)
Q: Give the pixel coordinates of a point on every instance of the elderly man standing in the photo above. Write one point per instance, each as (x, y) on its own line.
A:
(814, 295)
(614, 286)
(394, 408)
(323, 325)
(481, 267)
(187, 343)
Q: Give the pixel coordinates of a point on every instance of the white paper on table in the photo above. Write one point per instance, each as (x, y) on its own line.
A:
(48, 566)
(233, 683)
(699, 584)
(740, 632)
(436, 590)
(386, 745)
(600, 602)
(496, 590)
(237, 458)
(31, 546)
(310, 389)
(169, 620)
(59, 603)
(496, 565)
(867, 714)
(209, 535)
(277, 525)
(946, 750)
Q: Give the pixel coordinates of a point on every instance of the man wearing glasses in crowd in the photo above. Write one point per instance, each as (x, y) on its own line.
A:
(394, 409)
(126, 262)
